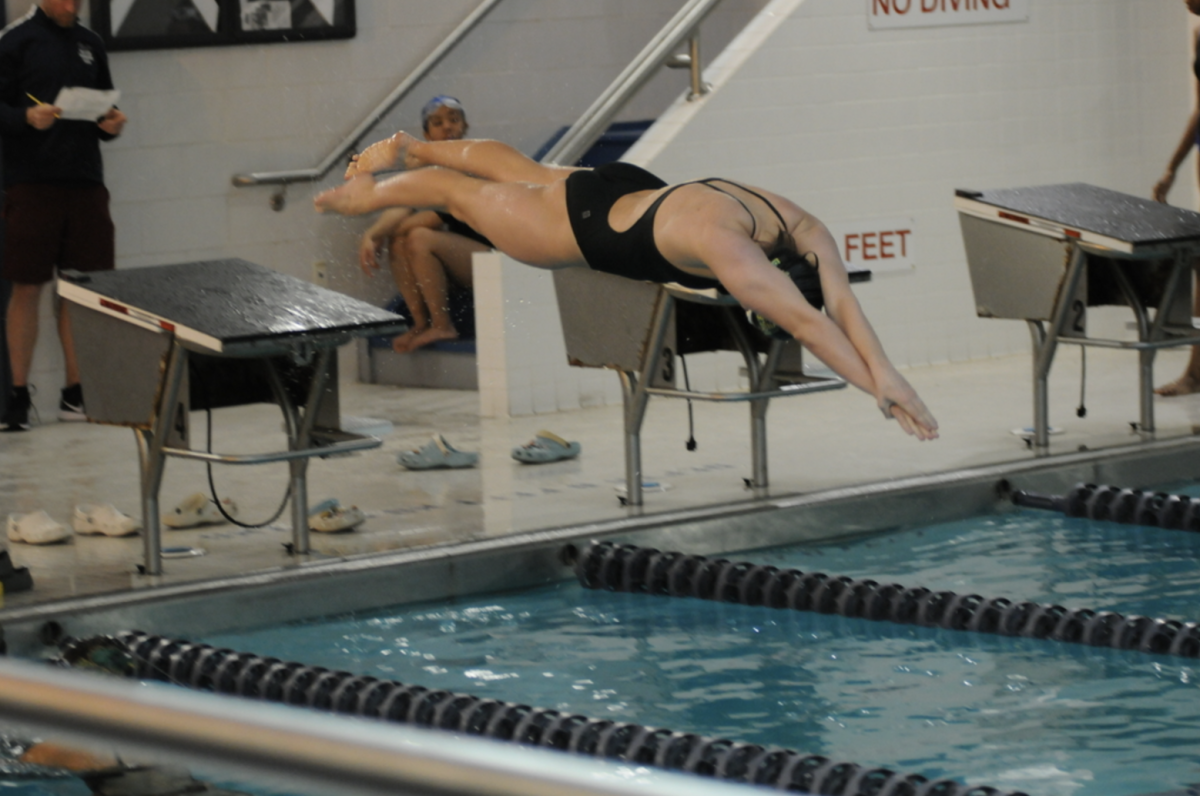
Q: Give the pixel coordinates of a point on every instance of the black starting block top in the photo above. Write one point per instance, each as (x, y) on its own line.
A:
(1084, 212)
(229, 306)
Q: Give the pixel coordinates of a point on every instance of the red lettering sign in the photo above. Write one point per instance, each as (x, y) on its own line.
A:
(887, 244)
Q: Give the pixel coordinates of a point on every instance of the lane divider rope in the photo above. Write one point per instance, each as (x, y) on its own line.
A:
(627, 568)
(1122, 505)
(207, 668)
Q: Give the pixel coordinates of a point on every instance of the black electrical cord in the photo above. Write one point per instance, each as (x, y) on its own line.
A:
(212, 486)
(1081, 410)
(687, 385)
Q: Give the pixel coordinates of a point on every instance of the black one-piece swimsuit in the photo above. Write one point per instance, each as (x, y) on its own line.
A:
(632, 253)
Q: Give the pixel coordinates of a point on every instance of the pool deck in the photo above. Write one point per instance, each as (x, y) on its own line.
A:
(818, 442)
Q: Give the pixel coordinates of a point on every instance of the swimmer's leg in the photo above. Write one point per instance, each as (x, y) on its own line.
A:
(1189, 382)
(423, 189)
(406, 283)
(437, 257)
(527, 222)
(490, 160)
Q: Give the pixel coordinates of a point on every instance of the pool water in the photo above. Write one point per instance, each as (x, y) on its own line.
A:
(1047, 718)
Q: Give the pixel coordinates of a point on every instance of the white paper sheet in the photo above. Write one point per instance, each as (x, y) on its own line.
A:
(88, 104)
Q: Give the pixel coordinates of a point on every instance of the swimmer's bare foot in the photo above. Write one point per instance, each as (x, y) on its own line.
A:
(432, 335)
(404, 151)
(391, 152)
(403, 343)
(1184, 385)
(351, 198)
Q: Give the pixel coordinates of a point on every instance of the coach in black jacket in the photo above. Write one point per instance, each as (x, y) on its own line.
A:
(56, 205)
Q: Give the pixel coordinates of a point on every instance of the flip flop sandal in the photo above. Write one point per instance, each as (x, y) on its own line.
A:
(544, 448)
(435, 454)
(332, 517)
(104, 519)
(36, 527)
(198, 509)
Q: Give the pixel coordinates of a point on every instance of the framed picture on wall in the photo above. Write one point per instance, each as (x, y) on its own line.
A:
(157, 24)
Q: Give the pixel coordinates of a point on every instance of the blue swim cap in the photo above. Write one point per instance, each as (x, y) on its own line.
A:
(440, 101)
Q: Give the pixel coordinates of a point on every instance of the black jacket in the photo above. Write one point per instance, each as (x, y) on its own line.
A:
(38, 57)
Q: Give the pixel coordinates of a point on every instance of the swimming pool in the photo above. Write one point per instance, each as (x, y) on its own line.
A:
(1015, 713)
(838, 519)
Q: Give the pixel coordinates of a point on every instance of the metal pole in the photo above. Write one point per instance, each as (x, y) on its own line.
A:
(1044, 353)
(636, 397)
(1041, 398)
(596, 118)
(309, 751)
(299, 467)
(758, 415)
(758, 407)
(633, 440)
(698, 87)
(1146, 333)
(153, 460)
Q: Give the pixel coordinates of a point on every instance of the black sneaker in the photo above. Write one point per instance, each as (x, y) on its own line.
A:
(70, 405)
(16, 415)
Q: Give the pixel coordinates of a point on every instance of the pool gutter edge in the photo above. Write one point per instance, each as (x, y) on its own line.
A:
(540, 557)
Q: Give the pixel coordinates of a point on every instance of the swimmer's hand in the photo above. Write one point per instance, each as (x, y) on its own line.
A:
(899, 401)
(369, 250)
(350, 199)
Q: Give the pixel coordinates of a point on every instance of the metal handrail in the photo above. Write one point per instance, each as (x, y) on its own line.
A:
(595, 120)
(350, 142)
(312, 750)
(581, 135)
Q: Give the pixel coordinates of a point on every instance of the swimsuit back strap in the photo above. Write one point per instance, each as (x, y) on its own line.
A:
(754, 228)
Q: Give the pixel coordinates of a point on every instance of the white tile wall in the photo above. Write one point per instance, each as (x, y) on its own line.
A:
(851, 123)
(856, 124)
(200, 115)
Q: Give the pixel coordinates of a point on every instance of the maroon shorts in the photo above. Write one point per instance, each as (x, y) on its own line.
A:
(63, 226)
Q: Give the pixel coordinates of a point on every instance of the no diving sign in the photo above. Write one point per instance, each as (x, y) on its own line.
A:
(882, 14)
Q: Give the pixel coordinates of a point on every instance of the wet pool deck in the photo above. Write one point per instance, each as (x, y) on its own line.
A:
(817, 442)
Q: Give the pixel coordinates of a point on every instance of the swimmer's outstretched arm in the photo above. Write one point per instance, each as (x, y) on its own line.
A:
(844, 310)
(853, 351)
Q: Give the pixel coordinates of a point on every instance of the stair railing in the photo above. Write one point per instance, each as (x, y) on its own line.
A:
(350, 143)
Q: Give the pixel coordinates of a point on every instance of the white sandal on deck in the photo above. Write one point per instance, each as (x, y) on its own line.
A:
(103, 518)
(36, 527)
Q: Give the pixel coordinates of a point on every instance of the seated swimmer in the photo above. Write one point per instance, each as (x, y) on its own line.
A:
(621, 219)
(428, 253)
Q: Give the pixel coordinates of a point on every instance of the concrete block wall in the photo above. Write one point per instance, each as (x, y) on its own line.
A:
(522, 358)
(857, 124)
(200, 115)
